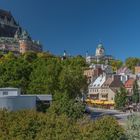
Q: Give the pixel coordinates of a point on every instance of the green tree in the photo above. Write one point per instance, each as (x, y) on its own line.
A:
(30, 56)
(45, 55)
(131, 62)
(107, 128)
(116, 64)
(62, 104)
(40, 126)
(44, 77)
(135, 96)
(133, 127)
(121, 98)
(15, 73)
(72, 81)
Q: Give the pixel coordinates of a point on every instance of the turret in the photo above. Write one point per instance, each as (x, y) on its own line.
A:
(100, 51)
(25, 42)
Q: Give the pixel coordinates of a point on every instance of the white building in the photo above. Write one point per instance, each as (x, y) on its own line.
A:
(99, 55)
(11, 99)
(95, 87)
(104, 87)
(106, 68)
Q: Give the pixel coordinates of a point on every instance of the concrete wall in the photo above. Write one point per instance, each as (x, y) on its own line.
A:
(14, 103)
(9, 91)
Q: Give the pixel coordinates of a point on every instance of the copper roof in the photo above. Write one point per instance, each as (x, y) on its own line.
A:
(5, 13)
(129, 83)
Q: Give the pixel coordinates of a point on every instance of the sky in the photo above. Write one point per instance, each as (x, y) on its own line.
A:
(78, 26)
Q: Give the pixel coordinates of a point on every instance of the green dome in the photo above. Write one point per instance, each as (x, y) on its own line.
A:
(100, 46)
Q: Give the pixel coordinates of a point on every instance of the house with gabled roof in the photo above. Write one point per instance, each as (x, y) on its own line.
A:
(129, 86)
(105, 88)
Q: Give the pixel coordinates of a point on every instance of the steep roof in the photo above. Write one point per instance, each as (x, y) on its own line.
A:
(124, 70)
(113, 83)
(108, 82)
(98, 82)
(8, 25)
(129, 83)
(5, 13)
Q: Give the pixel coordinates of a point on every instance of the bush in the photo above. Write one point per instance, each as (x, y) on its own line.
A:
(62, 104)
(31, 125)
(133, 127)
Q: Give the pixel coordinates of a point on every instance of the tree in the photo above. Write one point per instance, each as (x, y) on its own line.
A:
(72, 80)
(30, 56)
(15, 73)
(107, 128)
(121, 98)
(44, 77)
(41, 126)
(135, 96)
(116, 64)
(45, 55)
(62, 104)
(133, 127)
(131, 62)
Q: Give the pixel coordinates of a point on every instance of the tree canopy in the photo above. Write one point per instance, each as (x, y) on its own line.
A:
(41, 126)
(43, 73)
(121, 98)
(131, 62)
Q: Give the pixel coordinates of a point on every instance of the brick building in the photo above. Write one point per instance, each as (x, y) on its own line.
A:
(13, 37)
(137, 70)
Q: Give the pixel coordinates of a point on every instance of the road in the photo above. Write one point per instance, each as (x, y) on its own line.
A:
(97, 113)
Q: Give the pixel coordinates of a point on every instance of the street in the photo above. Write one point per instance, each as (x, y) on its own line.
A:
(97, 113)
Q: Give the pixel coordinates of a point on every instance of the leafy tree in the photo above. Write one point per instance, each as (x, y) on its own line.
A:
(40, 126)
(62, 104)
(45, 55)
(72, 81)
(133, 127)
(121, 98)
(131, 62)
(116, 64)
(78, 61)
(15, 73)
(9, 56)
(30, 56)
(107, 128)
(135, 96)
(44, 77)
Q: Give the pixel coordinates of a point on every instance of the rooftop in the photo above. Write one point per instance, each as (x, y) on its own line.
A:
(5, 13)
(129, 83)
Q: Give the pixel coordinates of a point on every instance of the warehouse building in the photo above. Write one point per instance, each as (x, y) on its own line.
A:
(12, 100)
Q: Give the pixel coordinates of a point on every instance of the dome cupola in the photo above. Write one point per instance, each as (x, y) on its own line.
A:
(100, 51)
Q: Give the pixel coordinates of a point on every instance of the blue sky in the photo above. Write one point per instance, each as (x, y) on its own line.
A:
(78, 26)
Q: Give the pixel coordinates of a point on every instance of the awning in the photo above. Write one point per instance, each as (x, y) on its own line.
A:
(109, 102)
(100, 102)
(87, 100)
(97, 102)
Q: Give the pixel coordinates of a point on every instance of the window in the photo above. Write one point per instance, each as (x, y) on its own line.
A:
(104, 96)
(5, 93)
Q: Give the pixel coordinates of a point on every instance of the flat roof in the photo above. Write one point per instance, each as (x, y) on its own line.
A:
(38, 97)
